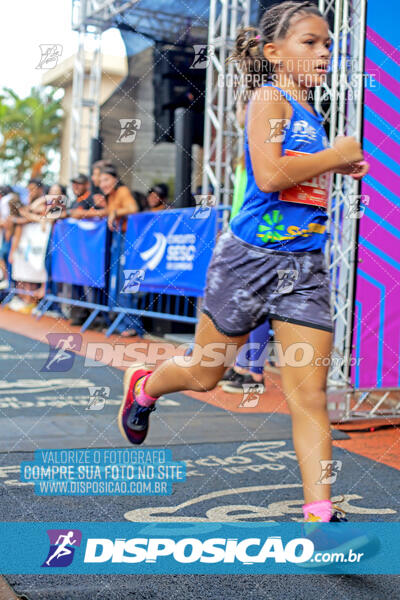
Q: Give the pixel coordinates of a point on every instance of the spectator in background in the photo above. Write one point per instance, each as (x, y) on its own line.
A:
(85, 206)
(96, 171)
(157, 197)
(141, 200)
(36, 189)
(120, 204)
(98, 196)
(38, 207)
(6, 194)
(120, 201)
(80, 187)
(28, 248)
(57, 190)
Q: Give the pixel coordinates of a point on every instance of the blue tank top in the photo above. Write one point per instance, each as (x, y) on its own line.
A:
(293, 219)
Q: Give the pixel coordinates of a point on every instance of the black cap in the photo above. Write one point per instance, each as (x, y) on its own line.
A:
(161, 189)
(81, 178)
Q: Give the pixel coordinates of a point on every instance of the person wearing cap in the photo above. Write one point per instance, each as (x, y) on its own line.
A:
(80, 188)
(157, 197)
(85, 205)
(120, 201)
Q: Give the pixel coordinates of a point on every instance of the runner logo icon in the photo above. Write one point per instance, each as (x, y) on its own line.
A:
(132, 281)
(329, 471)
(62, 348)
(129, 128)
(202, 56)
(62, 547)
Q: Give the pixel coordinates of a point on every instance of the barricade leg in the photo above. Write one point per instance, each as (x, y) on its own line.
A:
(90, 319)
(115, 324)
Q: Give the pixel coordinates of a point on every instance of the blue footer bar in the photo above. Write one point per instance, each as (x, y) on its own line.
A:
(199, 547)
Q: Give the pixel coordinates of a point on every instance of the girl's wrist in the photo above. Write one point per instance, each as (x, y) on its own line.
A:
(332, 159)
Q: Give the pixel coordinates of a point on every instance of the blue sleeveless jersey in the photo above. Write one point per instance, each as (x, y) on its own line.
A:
(293, 219)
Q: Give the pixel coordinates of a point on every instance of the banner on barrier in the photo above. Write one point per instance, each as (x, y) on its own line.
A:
(29, 256)
(169, 252)
(78, 249)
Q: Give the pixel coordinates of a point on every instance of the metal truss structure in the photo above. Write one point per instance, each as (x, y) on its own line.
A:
(223, 139)
(340, 100)
(85, 105)
(343, 92)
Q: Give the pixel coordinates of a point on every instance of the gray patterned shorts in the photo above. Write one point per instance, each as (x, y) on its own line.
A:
(247, 285)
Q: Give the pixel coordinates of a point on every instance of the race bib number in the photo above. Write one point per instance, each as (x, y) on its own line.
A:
(314, 192)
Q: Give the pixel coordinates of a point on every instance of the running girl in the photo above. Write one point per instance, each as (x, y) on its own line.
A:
(270, 263)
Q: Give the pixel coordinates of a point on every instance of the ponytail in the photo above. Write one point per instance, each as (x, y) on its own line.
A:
(254, 68)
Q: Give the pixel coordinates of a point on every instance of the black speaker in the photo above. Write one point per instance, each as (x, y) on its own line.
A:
(177, 85)
(96, 149)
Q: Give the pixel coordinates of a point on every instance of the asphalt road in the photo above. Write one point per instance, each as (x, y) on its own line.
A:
(239, 467)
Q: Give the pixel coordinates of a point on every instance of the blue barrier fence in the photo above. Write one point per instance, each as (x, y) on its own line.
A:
(155, 268)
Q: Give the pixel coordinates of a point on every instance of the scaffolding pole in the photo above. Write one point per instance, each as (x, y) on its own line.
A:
(223, 139)
(344, 89)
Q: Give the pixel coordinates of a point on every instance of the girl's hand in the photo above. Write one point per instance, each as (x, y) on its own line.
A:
(10, 257)
(362, 170)
(355, 170)
(348, 151)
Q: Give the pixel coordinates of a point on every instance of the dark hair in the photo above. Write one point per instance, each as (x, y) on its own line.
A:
(110, 170)
(99, 164)
(15, 204)
(5, 189)
(161, 189)
(250, 41)
(38, 182)
(140, 198)
(62, 188)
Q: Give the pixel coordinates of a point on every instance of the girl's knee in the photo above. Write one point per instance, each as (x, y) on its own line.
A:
(308, 397)
(204, 378)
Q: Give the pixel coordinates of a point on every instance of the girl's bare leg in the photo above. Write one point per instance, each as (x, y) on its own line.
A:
(305, 391)
(200, 373)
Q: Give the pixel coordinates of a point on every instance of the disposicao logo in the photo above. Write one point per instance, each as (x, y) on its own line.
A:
(62, 547)
(191, 550)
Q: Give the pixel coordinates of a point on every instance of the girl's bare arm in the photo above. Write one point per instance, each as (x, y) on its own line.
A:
(274, 172)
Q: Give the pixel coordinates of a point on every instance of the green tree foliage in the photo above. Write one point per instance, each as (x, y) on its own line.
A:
(29, 130)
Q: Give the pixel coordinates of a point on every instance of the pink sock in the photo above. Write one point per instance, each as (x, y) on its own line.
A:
(141, 397)
(321, 509)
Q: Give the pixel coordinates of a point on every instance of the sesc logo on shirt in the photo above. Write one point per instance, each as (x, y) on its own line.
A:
(303, 132)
